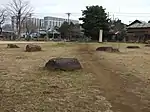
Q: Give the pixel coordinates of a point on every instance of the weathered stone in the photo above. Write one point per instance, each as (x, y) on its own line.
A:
(12, 46)
(107, 49)
(115, 50)
(133, 47)
(147, 42)
(65, 64)
(104, 49)
(32, 48)
(148, 45)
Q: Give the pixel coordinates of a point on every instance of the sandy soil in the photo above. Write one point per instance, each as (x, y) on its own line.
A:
(109, 82)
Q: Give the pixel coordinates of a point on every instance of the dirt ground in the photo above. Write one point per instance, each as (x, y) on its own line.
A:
(109, 82)
(20, 42)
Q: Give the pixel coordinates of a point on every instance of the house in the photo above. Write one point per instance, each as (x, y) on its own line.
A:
(138, 31)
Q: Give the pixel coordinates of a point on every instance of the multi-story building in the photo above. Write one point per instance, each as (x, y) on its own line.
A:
(51, 22)
(42, 24)
(31, 22)
(46, 23)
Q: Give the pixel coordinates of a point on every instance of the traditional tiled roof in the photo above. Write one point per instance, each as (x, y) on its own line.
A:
(140, 25)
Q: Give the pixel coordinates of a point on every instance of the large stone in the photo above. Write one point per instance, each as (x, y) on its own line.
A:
(115, 50)
(66, 64)
(33, 48)
(104, 49)
(107, 49)
(133, 47)
(12, 46)
(148, 45)
(147, 42)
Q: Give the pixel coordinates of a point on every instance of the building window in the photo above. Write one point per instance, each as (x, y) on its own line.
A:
(50, 23)
(59, 24)
(56, 23)
(46, 23)
(53, 23)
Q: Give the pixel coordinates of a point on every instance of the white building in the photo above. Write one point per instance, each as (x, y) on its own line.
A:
(46, 23)
(51, 22)
(42, 24)
(36, 22)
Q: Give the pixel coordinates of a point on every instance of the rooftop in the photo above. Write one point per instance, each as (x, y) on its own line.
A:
(139, 24)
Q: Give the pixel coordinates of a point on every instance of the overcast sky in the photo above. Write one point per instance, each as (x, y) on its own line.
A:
(126, 10)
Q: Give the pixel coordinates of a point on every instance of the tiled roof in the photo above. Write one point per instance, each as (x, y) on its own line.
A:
(140, 25)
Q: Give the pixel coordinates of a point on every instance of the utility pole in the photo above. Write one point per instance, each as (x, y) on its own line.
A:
(68, 14)
(113, 17)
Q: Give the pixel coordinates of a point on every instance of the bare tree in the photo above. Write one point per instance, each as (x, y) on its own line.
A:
(19, 10)
(2, 18)
(7, 27)
(30, 27)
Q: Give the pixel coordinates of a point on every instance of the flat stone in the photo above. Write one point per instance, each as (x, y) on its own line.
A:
(65, 64)
(12, 46)
(148, 45)
(107, 49)
(33, 48)
(133, 47)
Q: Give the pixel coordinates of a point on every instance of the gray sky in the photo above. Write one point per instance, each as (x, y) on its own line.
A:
(126, 10)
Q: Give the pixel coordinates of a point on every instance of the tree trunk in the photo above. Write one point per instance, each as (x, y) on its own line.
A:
(1, 30)
(18, 26)
(19, 30)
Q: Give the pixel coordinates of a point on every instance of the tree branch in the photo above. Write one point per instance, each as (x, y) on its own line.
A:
(20, 10)
(2, 16)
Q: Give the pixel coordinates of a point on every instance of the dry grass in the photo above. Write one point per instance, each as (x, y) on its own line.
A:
(136, 61)
(26, 87)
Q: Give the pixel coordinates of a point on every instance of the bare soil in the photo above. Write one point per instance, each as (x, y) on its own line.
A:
(109, 82)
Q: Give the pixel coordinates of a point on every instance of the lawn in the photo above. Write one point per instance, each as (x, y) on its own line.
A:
(26, 87)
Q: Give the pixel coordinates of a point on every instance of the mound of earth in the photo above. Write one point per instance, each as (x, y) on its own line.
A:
(107, 49)
(147, 42)
(33, 48)
(148, 45)
(66, 64)
(133, 47)
(12, 46)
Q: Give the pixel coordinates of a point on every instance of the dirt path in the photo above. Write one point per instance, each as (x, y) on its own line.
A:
(117, 90)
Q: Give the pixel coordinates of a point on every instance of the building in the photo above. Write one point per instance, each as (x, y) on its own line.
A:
(42, 24)
(36, 23)
(138, 31)
(46, 23)
(51, 22)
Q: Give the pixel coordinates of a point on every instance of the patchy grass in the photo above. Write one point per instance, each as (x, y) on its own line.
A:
(59, 44)
(26, 87)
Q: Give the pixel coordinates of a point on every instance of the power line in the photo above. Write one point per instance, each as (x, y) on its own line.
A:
(78, 13)
(127, 13)
(110, 14)
(58, 13)
(132, 15)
